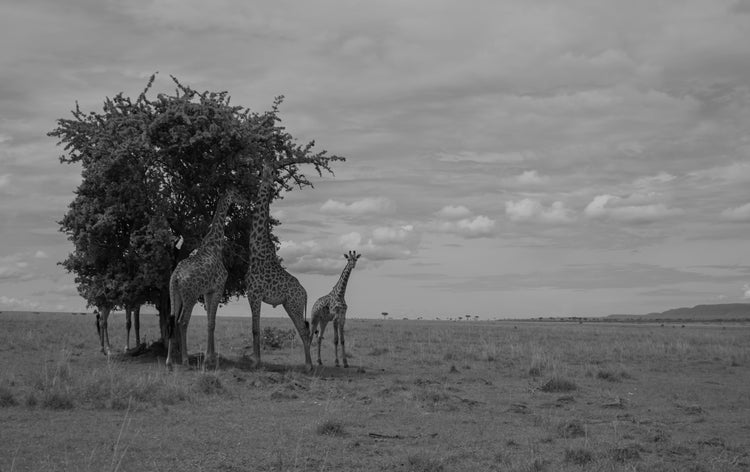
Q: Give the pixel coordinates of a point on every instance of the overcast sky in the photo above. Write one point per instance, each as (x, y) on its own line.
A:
(504, 158)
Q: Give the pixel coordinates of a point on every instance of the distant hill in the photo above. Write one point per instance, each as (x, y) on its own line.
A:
(724, 311)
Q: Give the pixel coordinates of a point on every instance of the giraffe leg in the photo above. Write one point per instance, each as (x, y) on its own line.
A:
(342, 321)
(137, 320)
(323, 323)
(296, 312)
(255, 308)
(336, 340)
(104, 333)
(128, 324)
(182, 324)
(212, 305)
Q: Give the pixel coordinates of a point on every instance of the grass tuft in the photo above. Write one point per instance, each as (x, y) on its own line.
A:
(331, 428)
(6, 397)
(422, 462)
(209, 384)
(572, 429)
(558, 384)
(578, 456)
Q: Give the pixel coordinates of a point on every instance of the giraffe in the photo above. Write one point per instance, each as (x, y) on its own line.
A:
(201, 273)
(102, 312)
(332, 307)
(267, 281)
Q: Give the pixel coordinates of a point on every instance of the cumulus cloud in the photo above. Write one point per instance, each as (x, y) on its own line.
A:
(531, 177)
(380, 244)
(746, 290)
(529, 209)
(617, 208)
(740, 213)
(22, 303)
(384, 242)
(40, 254)
(452, 212)
(477, 227)
(364, 206)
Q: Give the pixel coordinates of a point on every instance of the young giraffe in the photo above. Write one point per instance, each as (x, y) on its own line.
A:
(266, 280)
(332, 307)
(201, 273)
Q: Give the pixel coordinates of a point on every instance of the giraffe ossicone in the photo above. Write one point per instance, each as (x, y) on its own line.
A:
(332, 307)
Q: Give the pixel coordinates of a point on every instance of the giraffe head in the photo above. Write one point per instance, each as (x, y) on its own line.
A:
(352, 257)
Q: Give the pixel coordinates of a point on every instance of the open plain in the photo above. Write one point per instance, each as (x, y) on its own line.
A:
(418, 396)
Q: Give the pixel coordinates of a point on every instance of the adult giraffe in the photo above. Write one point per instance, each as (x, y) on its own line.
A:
(201, 273)
(266, 280)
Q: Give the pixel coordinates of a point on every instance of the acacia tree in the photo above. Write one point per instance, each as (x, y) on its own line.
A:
(153, 170)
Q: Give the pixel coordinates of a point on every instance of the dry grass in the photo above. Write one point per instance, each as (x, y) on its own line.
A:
(420, 396)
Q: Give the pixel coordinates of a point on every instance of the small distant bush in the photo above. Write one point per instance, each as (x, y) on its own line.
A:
(57, 400)
(578, 456)
(611, 376)
(572, 429)
(422, 462)
(558, 384)
(627, 453)
(276, 338)
(6, 397)
(331, 428)
(209, 384)
(379, 351)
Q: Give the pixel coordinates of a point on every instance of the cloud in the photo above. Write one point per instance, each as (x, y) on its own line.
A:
(529, 209)
(654, 180)
(531, 177)
(384, 242)
(735, 172)
(740, 213)
(612, 207)
(364, 206)
(479, 226)
(40, 254)
(487, 157)
(746, 289)
(452, 212)
(324, 257)
(11, 302)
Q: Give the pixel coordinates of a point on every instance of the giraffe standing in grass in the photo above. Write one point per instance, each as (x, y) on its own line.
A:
(201, 273)
(332, 307)
(267, 281)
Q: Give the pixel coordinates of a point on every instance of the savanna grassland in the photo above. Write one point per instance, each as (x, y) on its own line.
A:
(418, 396)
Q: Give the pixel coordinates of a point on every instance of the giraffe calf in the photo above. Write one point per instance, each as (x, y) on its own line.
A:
(332, 307)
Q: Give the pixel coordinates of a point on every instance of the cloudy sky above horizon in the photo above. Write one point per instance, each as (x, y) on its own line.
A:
(513, 159)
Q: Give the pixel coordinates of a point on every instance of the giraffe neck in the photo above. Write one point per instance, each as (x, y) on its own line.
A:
(340, 288)
(260, 233)
(215, 235)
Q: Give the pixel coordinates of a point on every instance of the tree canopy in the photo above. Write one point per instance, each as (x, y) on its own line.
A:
(153, 170)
